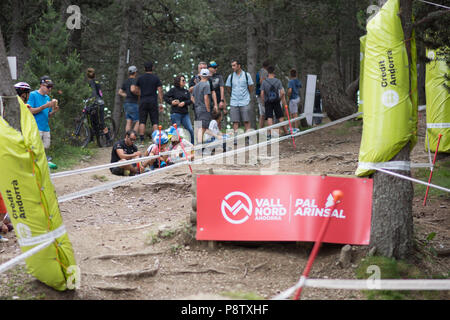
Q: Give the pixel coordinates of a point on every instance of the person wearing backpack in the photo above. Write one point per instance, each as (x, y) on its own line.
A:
(240, 85)
(261, 75)
(272, 92)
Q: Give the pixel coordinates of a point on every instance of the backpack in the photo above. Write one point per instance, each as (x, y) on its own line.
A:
(258, 85)
(231, 80)
(273, 95)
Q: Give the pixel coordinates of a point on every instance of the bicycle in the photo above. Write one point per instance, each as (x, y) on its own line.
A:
(87, 126)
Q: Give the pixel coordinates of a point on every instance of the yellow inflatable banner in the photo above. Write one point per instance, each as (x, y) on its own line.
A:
(362, 42)
(31, 201)
(390, 109)
(438, 101)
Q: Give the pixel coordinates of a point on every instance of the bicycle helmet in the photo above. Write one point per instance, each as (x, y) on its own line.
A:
(22, 87)
(156, 136)
(171, 132)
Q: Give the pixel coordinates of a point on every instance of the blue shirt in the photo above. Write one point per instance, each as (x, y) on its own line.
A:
(295, 85)
(239, 91)
(35, 101)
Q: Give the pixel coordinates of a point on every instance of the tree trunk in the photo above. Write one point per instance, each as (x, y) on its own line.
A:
(334, 100)
(17, 44)
(252, 57)
(122, 66)
(8, 94)
(136, 42)
(392, 221)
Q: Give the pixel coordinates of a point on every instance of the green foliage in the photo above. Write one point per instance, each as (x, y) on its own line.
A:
(394, 269)
(66, 156)
(242, 295)
(50, 55)
(441, 177)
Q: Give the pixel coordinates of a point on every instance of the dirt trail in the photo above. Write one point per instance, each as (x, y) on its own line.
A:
(127, 220)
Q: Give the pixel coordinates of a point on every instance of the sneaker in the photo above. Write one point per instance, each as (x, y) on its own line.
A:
(51, 165)
(3, 239)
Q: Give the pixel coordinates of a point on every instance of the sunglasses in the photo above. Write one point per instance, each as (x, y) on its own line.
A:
(50, 87)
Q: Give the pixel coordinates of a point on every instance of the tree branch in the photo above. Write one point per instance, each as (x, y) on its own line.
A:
(430, 17)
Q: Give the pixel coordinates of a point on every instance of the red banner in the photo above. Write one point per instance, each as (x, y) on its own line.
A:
(283, 208)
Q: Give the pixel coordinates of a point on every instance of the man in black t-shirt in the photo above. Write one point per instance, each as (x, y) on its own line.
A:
(218, 86)
(125, 150)
(147, 87)
(130, 105)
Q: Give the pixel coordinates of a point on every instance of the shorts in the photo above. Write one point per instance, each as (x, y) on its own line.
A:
(45, 136)
(238, 114)
(260, 105)
(272, 107)
(293, 105)
(131, 111)
(149, 108)
(204, 117)
(118, 171)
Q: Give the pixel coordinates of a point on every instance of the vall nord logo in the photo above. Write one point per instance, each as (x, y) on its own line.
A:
(236, 207)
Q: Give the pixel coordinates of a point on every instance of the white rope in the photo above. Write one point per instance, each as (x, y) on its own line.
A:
(49, 236)
(411, 179)
(111, 185)
(435, 4)
(117, 183)
(438, 125)
(369, 284)
(392, 165)
(11, 263)
(172, 152)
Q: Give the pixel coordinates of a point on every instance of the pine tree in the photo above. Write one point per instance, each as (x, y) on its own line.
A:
(50, 54)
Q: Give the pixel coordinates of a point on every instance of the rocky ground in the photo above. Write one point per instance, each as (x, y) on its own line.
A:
(152, 217)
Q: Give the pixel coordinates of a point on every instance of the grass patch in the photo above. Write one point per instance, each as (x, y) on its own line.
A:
(101, 178)
(441, 177)
(19, 285)
(66, 156)
(242, 295)
(395, 269)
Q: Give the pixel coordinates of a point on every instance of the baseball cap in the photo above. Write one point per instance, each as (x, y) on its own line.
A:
(213, 64)
(132, 69)
(46, 80)
(204, 72)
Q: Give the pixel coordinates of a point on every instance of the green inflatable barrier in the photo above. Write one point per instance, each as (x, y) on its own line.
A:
(362, 42)
(31, 200)
(390, 111)
(438, 102)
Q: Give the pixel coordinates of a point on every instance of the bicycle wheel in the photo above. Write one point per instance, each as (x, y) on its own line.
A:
(81, 136)
(102, 141)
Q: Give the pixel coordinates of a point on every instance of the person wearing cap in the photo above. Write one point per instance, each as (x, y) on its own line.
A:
(130, 105)
(218, 87)
(179, 98)
(240, 85)
(42, 107)
(202, 101)
(149, 87)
